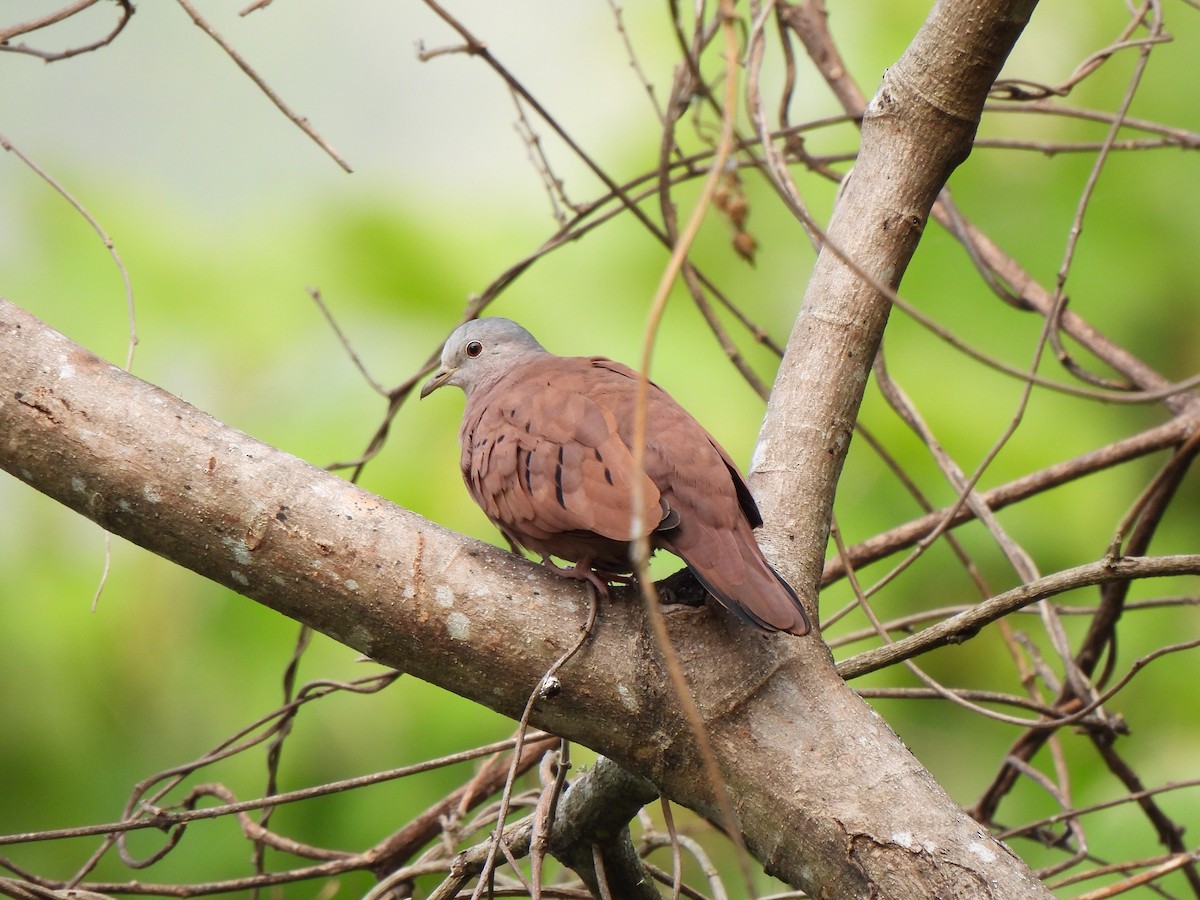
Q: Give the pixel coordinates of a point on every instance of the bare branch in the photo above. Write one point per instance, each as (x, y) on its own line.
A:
(126, 10)
(357, 568)
(300, 122)
(967, 624)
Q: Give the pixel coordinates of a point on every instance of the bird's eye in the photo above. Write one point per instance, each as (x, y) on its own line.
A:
(474, 348)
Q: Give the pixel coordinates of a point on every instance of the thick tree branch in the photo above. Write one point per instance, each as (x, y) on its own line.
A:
(959, 628)
(1169, 434)
(919, 126)
(917, 129)
(860, 816)
(598, 808)
(797, 748)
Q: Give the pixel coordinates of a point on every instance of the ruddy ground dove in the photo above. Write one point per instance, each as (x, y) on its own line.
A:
(546, 452)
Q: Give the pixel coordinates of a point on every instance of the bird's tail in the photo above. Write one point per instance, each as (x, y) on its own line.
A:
(730, 565)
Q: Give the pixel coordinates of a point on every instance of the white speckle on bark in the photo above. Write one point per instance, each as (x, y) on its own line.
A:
(458, 626)
(905, 840)
(443, 596)
(241, 553)
(986, 854)
(151, 495)
(756, 459)
(628, 698)
(239, 577)
(78, 485)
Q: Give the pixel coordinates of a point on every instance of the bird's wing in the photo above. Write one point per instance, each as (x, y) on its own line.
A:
(711, 502)
(541, 456)
(678, 448)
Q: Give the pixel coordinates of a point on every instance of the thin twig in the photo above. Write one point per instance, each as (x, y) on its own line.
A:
(641, 552)
(7, 34)
(345, 342)
(546, 685)
(299, 121)
(967, 624)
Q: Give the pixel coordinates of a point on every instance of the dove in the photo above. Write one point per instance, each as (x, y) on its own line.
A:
(547, 453)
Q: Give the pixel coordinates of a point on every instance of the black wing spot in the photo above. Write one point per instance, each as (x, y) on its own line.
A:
(558, 491)
(528, 480)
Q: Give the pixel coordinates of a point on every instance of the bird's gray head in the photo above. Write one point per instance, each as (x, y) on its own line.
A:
(481, 351)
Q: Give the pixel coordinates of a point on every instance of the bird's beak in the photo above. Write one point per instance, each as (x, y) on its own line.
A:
(440, 377)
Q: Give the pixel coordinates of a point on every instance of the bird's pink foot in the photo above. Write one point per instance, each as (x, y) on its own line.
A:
(581, 571)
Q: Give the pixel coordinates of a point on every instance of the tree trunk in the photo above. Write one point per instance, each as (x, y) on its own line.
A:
(826, 796)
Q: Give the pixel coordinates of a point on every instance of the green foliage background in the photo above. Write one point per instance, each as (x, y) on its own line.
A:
(223, 214)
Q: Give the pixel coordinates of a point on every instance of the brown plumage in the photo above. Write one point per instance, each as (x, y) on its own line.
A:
(546, 453)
